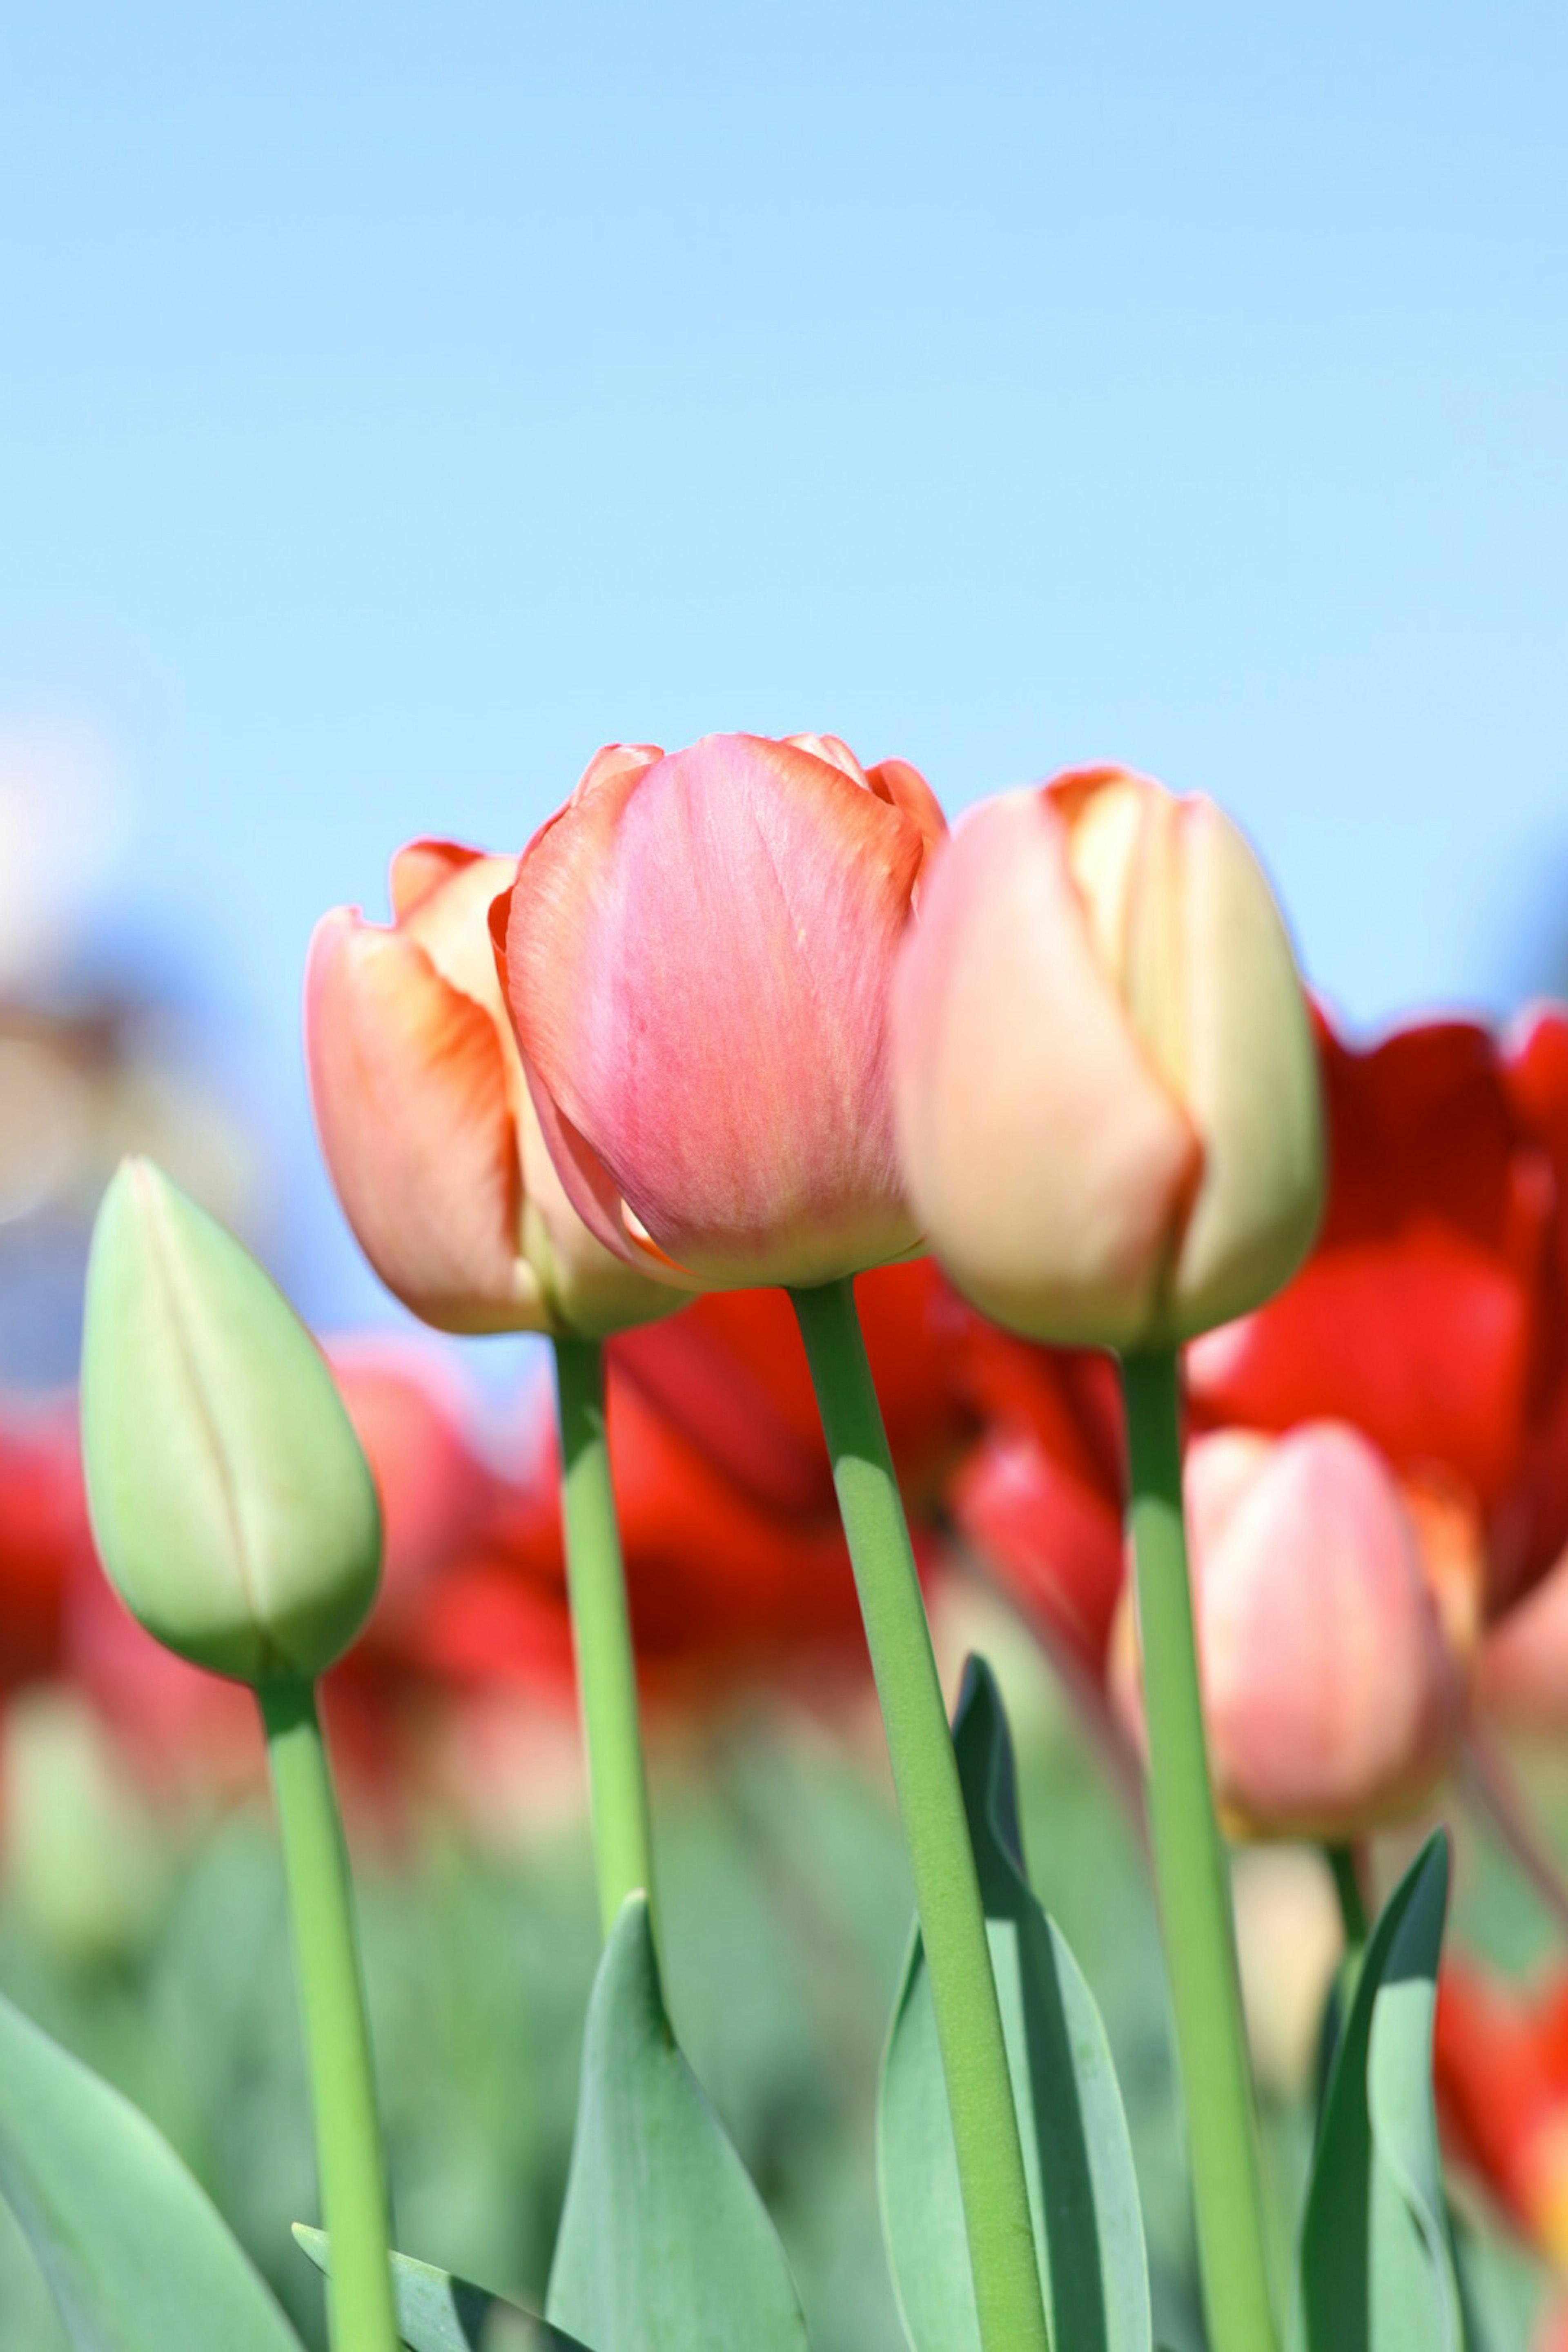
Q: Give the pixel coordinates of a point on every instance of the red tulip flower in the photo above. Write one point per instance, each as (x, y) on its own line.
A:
(1433, 1313)
(698, 956)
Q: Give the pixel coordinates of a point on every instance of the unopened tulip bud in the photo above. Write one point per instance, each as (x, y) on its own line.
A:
(1334, 1615)
(233, 1509)
(1106, 1081)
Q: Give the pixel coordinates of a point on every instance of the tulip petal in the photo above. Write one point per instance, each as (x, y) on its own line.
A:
(410, 1090)
(1423, 1342)
(421, 867)
(904, 787)
(698, 958)
(1039, 1141)
(1250, 1083)
(1331, 1696)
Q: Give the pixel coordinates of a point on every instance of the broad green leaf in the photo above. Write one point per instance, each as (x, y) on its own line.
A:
(135, 2254)
(1376, 2268)
(665, 2245)
(1083, 2193)
(438, 2313)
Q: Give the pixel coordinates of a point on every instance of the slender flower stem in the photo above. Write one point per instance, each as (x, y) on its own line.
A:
(1342, 1861)
(1192, 1876)
(1345, 1867)
(349, 2160)
(601, 1631)
(1007, 2291)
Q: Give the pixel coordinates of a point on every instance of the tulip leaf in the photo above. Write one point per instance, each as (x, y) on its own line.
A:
(1083, 2193)
(1376, 2269)
(665, 2245)
(134, 2253)
(438, 2313)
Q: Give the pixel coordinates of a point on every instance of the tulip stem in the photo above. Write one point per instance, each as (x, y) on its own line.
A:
(1342, 1861)
(350, 2164)
(1193, 1880)
(602, 1637)
(1008, 2293)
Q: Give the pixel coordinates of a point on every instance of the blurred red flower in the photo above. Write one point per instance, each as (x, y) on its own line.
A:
(44, 1539)
(735, 1562)
(1433, 1313)
(1039, 1501)
(1500, 2066)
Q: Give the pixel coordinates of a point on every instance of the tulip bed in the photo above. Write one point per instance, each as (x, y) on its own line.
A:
(1233, 1344)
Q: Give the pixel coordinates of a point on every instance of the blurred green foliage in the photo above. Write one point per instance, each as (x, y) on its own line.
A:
(787, 1909)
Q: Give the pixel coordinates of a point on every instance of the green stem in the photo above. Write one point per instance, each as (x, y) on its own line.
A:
(1342, 1861)
(936, 1830)
(352, 2168)
(602, 1634)
(1192, 1875)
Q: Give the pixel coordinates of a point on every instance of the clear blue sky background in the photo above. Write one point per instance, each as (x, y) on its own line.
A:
(396, 403)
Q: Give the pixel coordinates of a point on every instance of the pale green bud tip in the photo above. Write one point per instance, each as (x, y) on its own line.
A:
(233, 1509)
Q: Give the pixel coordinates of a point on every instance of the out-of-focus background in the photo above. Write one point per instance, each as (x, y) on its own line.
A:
(395, 405)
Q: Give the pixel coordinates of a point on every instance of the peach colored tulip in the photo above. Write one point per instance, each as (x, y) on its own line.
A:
(1107, 1088)
(1334, 1620)
(698, 958)
(426, 1122)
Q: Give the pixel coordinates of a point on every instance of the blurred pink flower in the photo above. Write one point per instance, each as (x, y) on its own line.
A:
(1336, 1618)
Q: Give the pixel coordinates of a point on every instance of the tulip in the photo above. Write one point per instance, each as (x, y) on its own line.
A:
(425, 1119)
(1334, 1618)
(1433, 1312)
(1106, 1086)
(1109, 1119)
(698, 956)
(232, 1506)
(236, 1515)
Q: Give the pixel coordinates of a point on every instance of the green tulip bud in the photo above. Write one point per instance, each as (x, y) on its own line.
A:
(233, 1509)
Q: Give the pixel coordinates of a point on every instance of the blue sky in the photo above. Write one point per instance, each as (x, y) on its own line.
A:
(395, 405)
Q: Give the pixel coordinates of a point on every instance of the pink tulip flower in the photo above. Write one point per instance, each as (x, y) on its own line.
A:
(1107, 1088)
(698, 958)
(426, 1122)
(1335, 1614)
